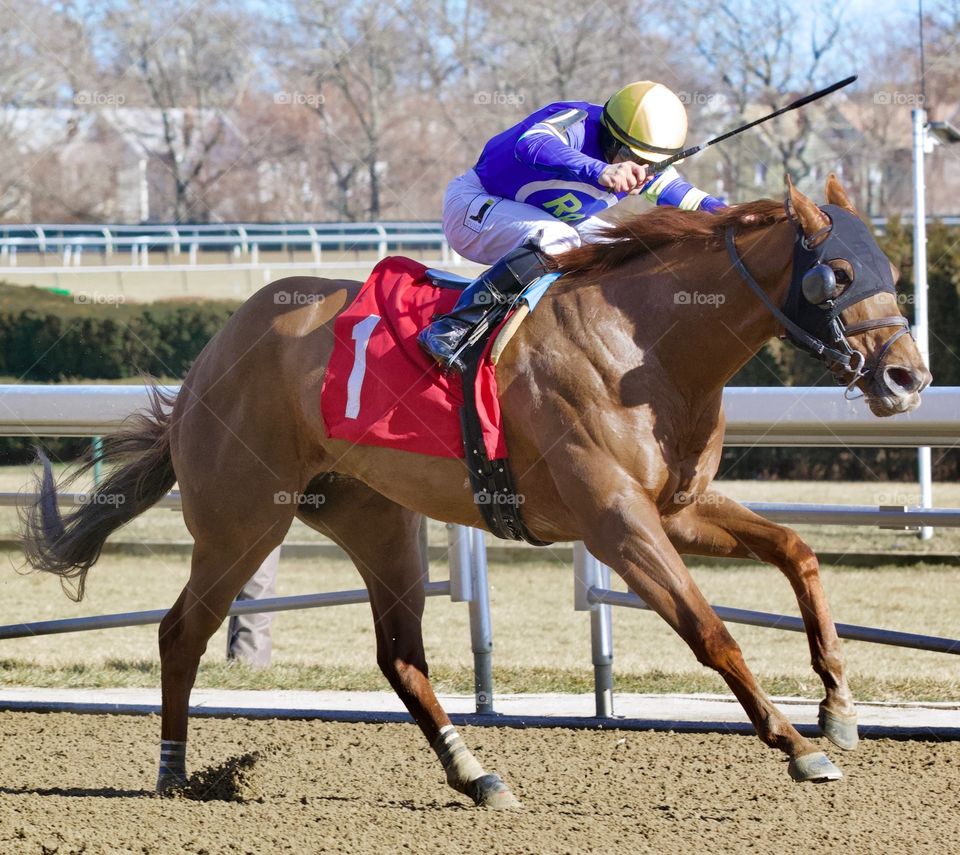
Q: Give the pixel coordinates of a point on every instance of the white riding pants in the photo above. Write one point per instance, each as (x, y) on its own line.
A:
(483, 228)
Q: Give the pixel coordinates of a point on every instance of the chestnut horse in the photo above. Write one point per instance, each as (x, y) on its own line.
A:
(611, 395)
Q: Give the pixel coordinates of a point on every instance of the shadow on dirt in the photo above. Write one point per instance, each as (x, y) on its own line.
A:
(77, 792)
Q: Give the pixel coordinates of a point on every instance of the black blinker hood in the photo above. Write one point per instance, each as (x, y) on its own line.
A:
(850, 239)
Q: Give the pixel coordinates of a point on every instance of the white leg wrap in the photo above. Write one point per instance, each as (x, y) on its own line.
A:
(460, 765)
(173, 764)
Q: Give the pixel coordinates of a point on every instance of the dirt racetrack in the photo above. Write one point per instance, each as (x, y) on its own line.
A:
(80, 784)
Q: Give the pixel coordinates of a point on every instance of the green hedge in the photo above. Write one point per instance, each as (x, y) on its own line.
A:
(48, 337)
(51, 337)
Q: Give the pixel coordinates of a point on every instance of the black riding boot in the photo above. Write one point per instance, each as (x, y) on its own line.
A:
(445, 338)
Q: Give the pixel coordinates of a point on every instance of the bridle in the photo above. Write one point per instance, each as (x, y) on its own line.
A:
(818, 328)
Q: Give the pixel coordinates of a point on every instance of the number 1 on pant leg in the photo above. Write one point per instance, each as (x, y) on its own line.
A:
(361, 335)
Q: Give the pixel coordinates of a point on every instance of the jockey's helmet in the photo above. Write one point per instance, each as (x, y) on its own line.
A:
(648, 119)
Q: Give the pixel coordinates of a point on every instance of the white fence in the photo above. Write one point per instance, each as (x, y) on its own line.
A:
(70, 245)
(755, 416)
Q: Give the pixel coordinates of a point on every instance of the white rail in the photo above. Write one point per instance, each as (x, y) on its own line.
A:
(756, 416)
(69, 243)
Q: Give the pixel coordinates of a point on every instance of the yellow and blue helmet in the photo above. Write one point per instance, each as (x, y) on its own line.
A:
(648, 119)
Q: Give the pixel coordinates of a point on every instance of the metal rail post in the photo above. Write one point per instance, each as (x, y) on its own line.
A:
(458, 555)
(97, 448)
(588, 572)
(423, 538)
(481, 627)
(920, 327)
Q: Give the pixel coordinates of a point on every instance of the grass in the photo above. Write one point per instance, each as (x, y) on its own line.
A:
(540, 643)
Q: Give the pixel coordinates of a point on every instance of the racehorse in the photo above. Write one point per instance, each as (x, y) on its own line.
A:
(611, 395)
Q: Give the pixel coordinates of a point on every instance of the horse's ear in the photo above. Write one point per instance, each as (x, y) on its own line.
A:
(812, 220)
(837, 195)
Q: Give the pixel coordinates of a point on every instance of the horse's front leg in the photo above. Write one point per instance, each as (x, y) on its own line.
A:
(625, 532)
(712, 524)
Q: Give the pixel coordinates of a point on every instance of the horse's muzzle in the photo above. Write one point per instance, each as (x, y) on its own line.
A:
(896, 389)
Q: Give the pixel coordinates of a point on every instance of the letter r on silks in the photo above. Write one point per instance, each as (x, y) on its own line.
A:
(565, 207)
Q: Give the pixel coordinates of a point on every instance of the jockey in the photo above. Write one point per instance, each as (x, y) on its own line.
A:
(538, 187)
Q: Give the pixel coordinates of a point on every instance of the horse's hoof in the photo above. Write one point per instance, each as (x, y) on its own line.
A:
(841, 730)
(490, 791)
(815, 767)
(167, 783)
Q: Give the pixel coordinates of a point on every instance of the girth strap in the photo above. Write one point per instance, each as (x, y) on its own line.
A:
(494, 492)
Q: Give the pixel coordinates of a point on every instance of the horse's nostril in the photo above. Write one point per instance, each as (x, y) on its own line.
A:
(900, 379)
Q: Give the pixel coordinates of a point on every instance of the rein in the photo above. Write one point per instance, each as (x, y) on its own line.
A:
(839, 352)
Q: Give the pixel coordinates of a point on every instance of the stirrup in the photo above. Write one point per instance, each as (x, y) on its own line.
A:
(453, 363)
(502, 284)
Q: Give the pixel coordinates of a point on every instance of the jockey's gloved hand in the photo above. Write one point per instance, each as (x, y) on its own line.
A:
(625, 177)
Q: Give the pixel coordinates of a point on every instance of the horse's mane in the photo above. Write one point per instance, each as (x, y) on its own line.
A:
(642, 233)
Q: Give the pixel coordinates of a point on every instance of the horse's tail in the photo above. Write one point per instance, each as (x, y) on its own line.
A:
(69, 544)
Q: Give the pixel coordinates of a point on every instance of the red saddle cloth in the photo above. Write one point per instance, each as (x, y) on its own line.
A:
(381, 389)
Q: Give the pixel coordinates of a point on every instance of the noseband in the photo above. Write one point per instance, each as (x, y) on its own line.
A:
(819, 329)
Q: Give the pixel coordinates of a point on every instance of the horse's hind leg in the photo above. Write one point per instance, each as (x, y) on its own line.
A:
(382, 539)
(716, 525)
(231, 541)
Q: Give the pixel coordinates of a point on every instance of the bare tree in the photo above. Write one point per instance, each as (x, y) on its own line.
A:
(570, 50)
(359, 109)
(350, 63)
(191, 63)
(758, 54)
(451, 47)
(34, 71)
(942, 37)
(892, 85)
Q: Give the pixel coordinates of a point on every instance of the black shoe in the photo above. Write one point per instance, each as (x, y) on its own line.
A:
(446, 337)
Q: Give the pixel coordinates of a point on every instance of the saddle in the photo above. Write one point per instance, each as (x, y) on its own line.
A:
(381, 389)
